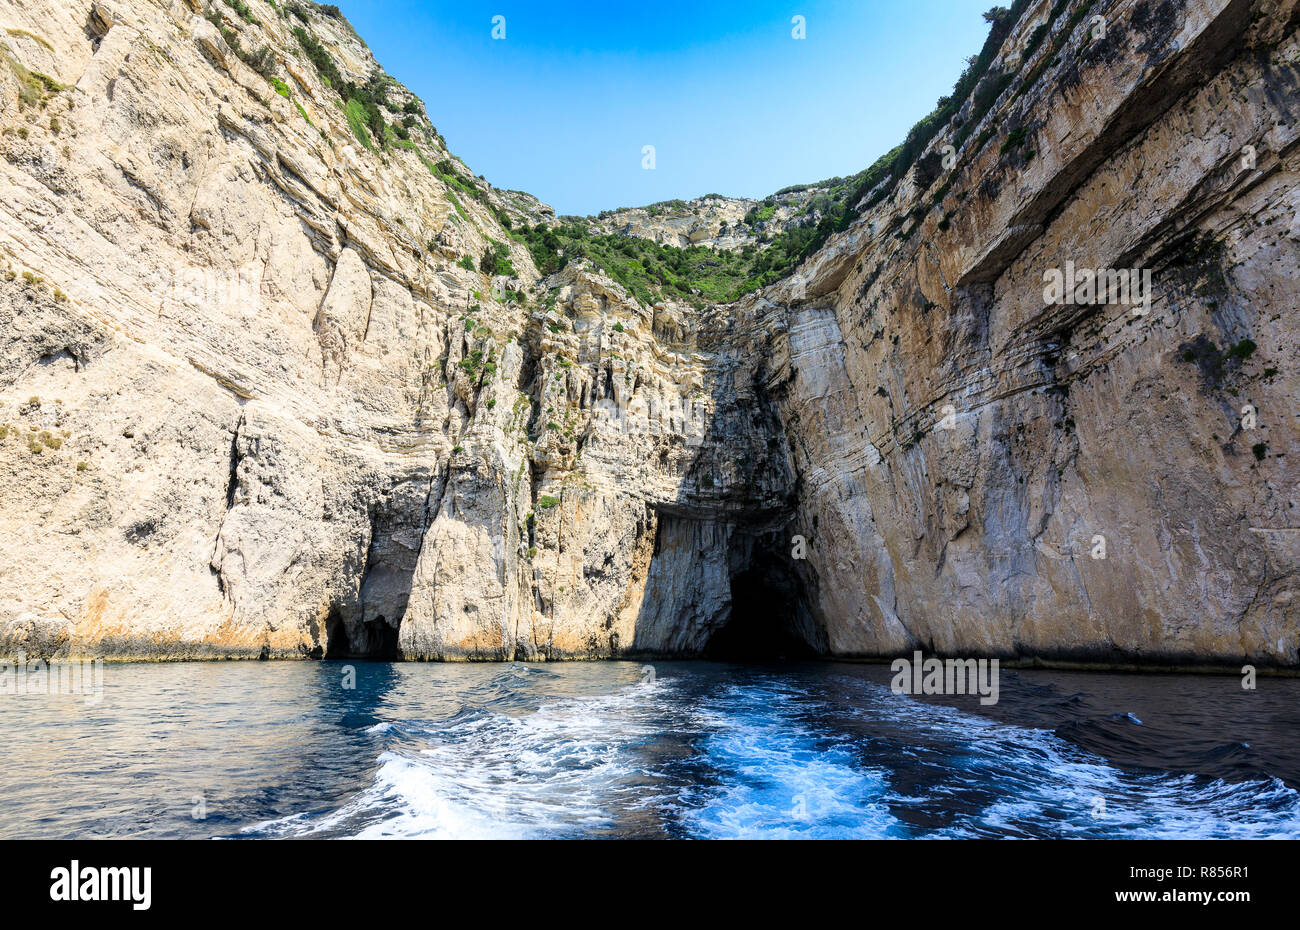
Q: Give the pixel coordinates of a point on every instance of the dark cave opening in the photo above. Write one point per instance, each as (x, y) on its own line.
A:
(337, 645)
(377, 640)
(767, 619)
(381, 640)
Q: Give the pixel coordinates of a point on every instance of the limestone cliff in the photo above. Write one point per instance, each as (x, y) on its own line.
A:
(278, 377)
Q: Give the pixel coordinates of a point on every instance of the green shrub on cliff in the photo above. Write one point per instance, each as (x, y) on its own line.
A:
(242, 8)
(356, 115)
(320, 59)
(496, 259)
(361, 102)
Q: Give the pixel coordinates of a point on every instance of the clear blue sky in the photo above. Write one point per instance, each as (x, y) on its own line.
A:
(732, 103)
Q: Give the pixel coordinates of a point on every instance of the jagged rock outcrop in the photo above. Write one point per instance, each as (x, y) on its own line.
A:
(259, 396)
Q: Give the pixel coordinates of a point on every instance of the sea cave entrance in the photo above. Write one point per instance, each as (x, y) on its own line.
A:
(768, 619)
(375, 639)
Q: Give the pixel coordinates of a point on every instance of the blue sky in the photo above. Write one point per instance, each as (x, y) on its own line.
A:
(733, 104)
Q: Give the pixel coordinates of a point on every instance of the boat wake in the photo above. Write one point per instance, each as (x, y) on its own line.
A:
(772, 758)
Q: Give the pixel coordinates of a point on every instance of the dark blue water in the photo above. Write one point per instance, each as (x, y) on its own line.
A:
(607, 750)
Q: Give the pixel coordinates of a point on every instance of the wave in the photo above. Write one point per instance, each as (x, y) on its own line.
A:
(768, 757)
(489, 774)
(779, 779)
(1025, 782)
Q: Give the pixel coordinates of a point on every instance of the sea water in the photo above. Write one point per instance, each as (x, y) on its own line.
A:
(660, 749)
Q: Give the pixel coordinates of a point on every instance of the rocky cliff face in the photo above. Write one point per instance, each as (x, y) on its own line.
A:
(263, 393)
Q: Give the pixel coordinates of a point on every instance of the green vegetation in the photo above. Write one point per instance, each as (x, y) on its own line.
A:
(365, 99)
(304, 114)
(475, 362)
(34, 88)
(664, 207)
(242, 8)
(496, 259)
(1015, 139)
(320, 59)
(1217, 365)
(262, 59)
(546, 502)
(1242, 350)
(281, 88)
(446, 172)
(24, 34)
(451, 198)
(356, 114)
(652, 272)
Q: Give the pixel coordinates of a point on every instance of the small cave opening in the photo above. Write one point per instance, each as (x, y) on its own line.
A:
(381, 640)
(768, 620)
(337, 645)
(374, 640)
